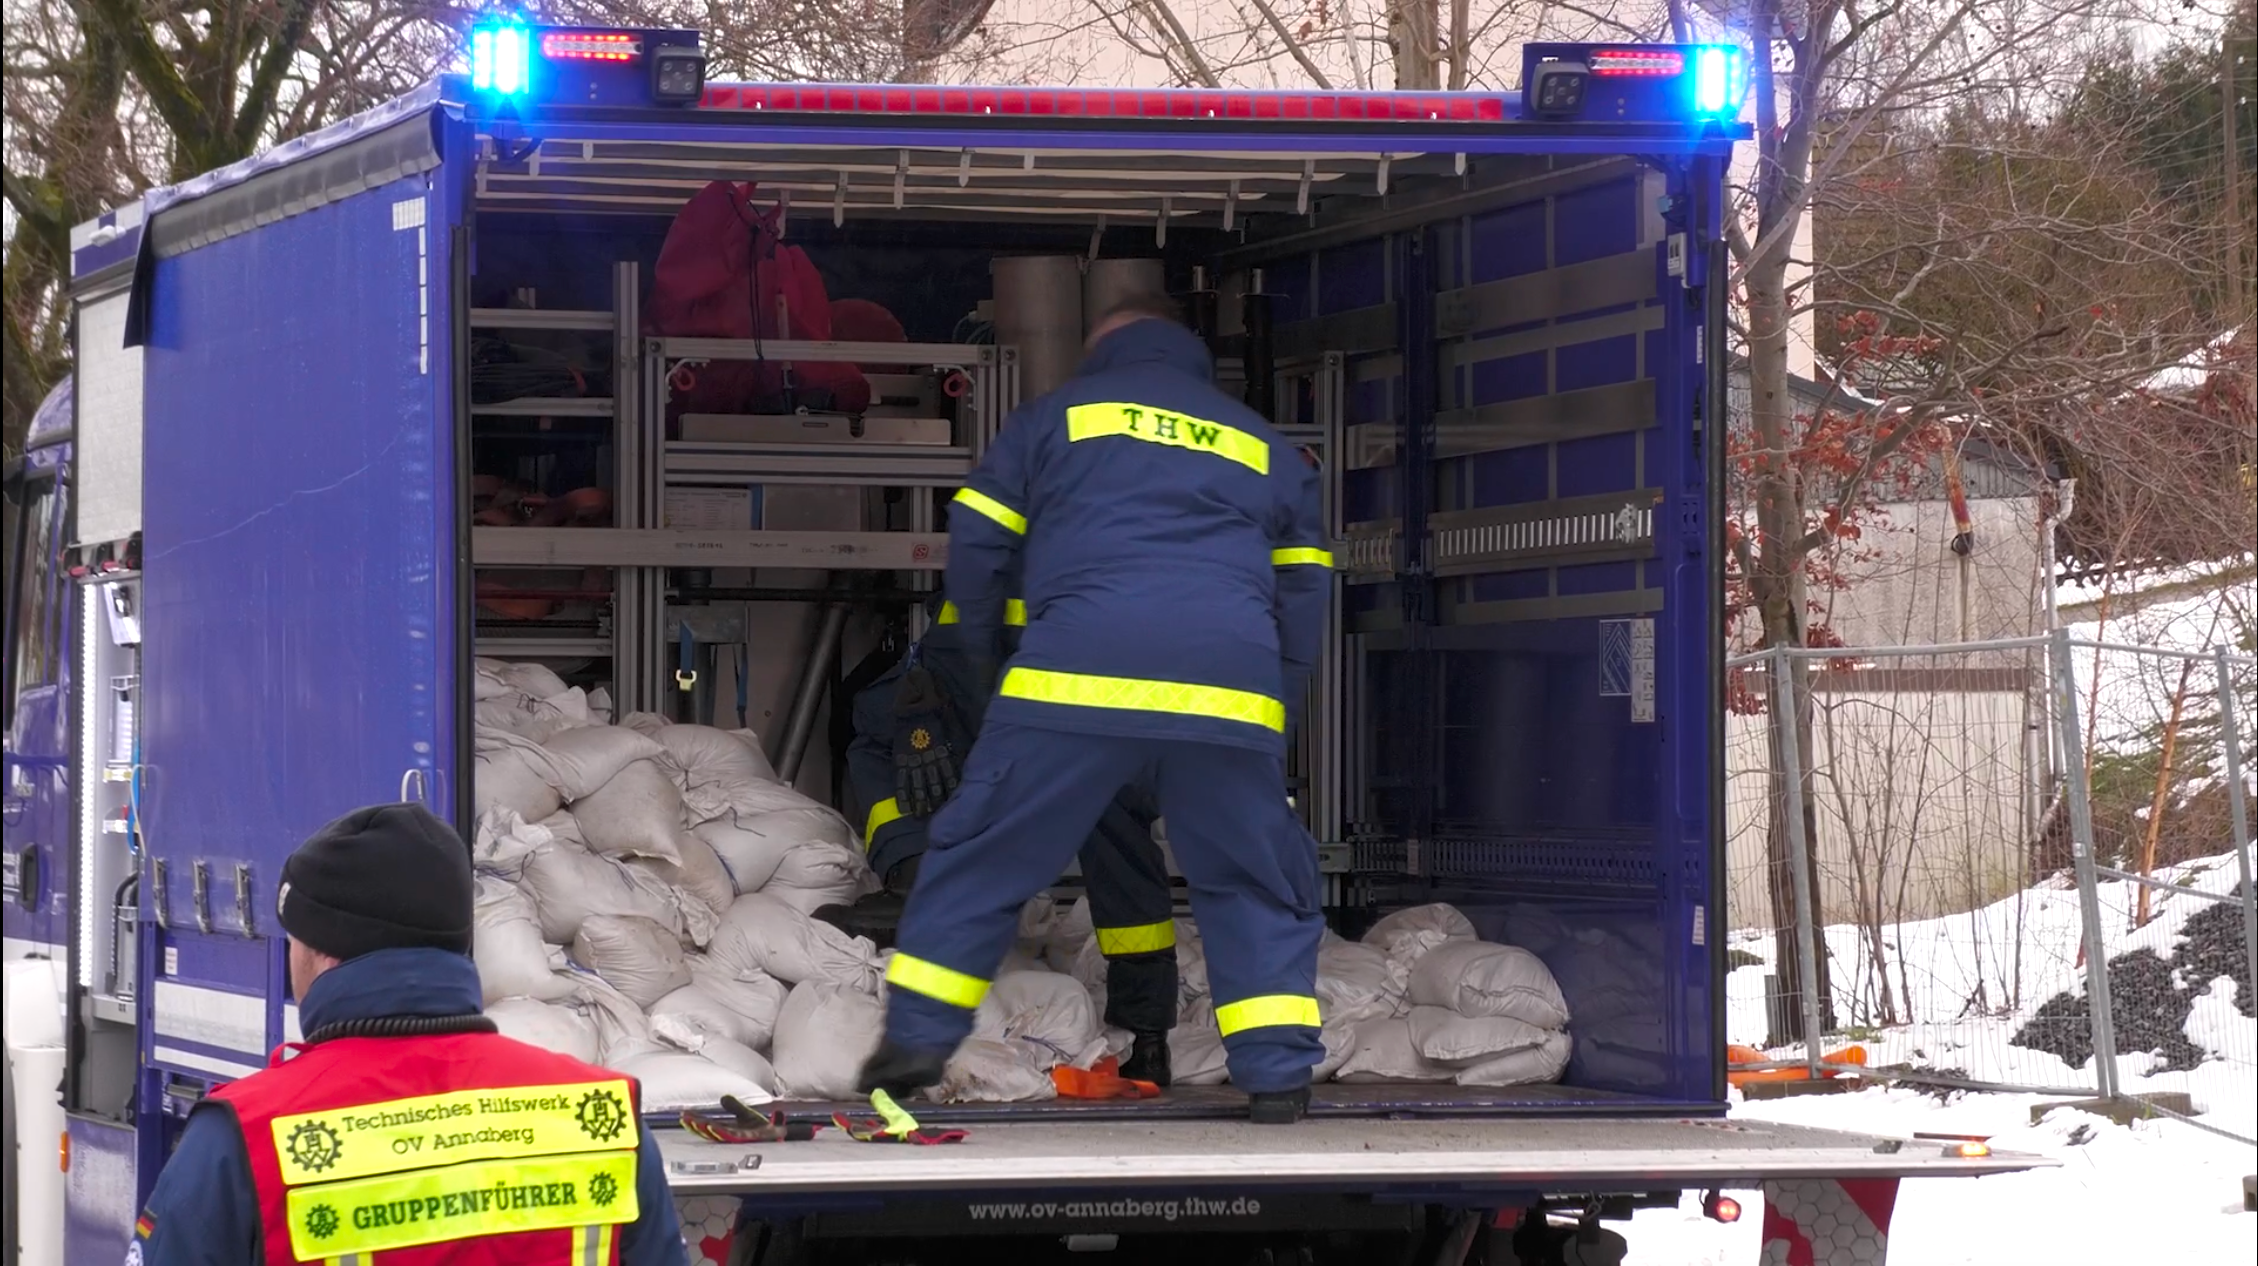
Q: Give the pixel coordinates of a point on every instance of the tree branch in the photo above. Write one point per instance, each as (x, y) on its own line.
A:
(1182, 39)
(1293, 46)
(153, 68)
(258, 99)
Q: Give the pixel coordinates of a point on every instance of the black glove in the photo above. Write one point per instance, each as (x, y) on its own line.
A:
(925, 750)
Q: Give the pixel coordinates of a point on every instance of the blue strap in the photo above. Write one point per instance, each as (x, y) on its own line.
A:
(686, 676)
(743, 700)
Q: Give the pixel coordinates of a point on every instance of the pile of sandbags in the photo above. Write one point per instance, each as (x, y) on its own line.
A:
(1468, 1011)
(644, 890)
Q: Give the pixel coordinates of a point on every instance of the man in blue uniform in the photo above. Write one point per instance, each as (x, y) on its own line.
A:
(912, 728)
(1175, 584)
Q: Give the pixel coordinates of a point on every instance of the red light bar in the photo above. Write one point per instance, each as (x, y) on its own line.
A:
(590, 46)
(1159, 103)
(1654, 63)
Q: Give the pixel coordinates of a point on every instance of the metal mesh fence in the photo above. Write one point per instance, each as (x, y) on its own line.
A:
(1972, 820)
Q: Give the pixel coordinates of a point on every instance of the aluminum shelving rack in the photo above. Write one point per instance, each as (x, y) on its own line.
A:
(642, 548)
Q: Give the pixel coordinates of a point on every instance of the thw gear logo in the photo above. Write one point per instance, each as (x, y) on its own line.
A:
(321, 1222)
(601, 1115)
(603, 1189)
(313, 1146)
(920, 738)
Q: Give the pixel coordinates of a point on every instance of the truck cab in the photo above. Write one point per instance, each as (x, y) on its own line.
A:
(1496, 320)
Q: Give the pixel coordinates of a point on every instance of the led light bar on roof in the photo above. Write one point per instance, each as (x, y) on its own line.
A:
(1168, 103)
(590, 46)
(1658, 63)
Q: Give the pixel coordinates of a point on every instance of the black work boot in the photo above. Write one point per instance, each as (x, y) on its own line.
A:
(1148, 1059)
(900, 1071)
(1278, 1107)
(876, 918)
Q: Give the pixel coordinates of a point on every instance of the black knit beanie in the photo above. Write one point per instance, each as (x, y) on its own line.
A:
(388, 877)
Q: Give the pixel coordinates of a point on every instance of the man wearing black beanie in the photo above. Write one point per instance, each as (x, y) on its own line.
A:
(404, 1125)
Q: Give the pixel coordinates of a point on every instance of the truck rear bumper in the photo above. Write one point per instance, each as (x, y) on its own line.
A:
(1527, 1156)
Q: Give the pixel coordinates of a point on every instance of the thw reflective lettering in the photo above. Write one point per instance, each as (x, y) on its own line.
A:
(1172, 430)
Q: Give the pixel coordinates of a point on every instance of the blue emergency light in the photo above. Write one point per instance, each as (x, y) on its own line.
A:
(501, 57)
(1632, 83)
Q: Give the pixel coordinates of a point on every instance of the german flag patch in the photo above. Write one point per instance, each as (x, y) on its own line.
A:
(145, 1226)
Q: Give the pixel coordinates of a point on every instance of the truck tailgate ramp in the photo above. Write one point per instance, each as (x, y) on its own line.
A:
(1371, 1156)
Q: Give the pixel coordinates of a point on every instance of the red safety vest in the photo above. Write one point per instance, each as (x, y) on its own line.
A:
(439, 1151)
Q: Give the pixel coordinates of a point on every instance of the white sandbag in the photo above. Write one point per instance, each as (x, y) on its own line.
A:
(502, 843)
(1529, 1066)
(818, 874)
(683, 1033)
(569, 885)
(764, 933)
(639, 957)
(1481, 978)
(698, 1007)
(486, 680)
(1407, 935)
(984, 1070)
(672, 1080)
(538, 720)
(508, 772)
(619, 1024)
(716, 765)
(506, 944)
(754, 846)
(1356, 983)
(1446, 1037)
(823, 1036)
(750, 995)
(700, 873)
(599, 706)
(1019, 958)
(1052, 1012)
(647, 724)
(561, 1030)
(1385, 1052)
(1339, 1038)
(1195, 1055)
(637, 813)
(1067, 934)
(534, 680)
(1191, 970)
(588, 758)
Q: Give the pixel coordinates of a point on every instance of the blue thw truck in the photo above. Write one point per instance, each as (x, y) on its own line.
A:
(253, 555)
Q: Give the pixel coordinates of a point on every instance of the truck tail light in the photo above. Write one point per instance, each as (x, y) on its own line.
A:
(590, 46)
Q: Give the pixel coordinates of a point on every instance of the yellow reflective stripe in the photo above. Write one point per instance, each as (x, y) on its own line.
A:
(592, 1245)
(1134, 694)
(1012, 520)
(1265, 1012)
(1301, 556)
(942, 984)
(457, 1202)
(1015, 613)
(1142, 939)
(1175, 430)
(881, 814)
(465, 1125)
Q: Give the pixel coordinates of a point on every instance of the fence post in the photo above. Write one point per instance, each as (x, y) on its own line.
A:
(2079, 795)
(2238, 805)
(1787, 717)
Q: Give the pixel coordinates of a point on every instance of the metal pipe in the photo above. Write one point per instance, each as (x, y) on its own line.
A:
(813, 685)
(1200, 308)
(1260, 358)
(1038, 309)
(2238, 806)
(759, 593)
(2081, 849)
(1787, 717)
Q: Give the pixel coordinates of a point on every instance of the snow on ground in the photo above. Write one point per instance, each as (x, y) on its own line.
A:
(2153, 1191)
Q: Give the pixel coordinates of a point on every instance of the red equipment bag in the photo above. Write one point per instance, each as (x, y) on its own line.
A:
(725, 272)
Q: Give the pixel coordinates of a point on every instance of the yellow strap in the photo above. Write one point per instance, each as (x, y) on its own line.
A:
(1265, 1012)
(1175, 430)
(459, 1202)
(1301, 556)
(898, 1120)
(942, 984)
(416, 1133)
(1145, 938)
(1133, 694)
(882, 814)
(1015, 613)
(980, 502)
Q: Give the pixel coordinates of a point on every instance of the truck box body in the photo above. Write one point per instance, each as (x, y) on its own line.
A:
(1501, 335)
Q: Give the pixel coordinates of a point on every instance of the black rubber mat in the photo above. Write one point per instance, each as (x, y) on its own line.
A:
(1330, 1099)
